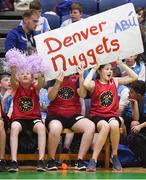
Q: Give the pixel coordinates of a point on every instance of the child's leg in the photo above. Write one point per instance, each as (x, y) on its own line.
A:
(94, 141)
(87, 127)
(16, 128)
(40, 129)
(103, 129)
(68, 140)
(55, 128)
(2, 140)
(115, 138)
(114, 135)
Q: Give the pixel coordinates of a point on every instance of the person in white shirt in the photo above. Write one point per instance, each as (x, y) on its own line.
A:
(76, 12)
(137, 66)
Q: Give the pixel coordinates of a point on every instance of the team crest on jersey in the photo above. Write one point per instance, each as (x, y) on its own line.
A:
(106, 98)
(66, 93)
(25, 104)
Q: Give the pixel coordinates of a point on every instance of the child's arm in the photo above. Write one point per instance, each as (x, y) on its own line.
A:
(81, 90)
(53, 91)
(83, 107)
(136, 129)
(7, 93)
(10, 110)
(0, 111)
(132, 76)
(88, 83)
(135, 109)
(14, 82)
(41, 82)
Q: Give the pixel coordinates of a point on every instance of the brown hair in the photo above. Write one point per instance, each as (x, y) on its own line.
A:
(35, 5)
(29, 13)
(77, 6)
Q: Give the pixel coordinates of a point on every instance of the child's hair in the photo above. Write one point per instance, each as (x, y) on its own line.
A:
(116, 72)
(100, 67)
(4, 74)
(29, 13)
(77, 6)
(138, 10)
(138, 86)
(35, 4)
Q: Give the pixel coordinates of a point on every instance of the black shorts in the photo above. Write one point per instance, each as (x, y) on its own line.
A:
(66, 122)
(27, 124)
(97, 119)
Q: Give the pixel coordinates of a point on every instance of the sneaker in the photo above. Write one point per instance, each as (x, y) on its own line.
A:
(91, 166)
(41, 166)
(13, 166)
(2, 165)
(52, 165)
(80, 165)
(116, 163)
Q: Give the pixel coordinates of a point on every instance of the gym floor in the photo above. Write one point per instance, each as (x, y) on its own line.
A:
(30, 173)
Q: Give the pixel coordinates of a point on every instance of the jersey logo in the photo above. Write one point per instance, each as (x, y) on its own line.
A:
(66, 93)
(25, 104)
(106, 98)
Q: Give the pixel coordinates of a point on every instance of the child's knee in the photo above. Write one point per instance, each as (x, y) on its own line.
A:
(1, 124)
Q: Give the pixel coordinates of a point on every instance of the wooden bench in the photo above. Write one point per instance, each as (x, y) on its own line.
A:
(104, 155)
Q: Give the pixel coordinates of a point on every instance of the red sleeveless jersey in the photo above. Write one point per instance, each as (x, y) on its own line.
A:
(26, 104)
(104, 100)
(67, 102)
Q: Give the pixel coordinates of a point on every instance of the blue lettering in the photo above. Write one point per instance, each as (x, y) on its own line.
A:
(124, 25)
(117, 28)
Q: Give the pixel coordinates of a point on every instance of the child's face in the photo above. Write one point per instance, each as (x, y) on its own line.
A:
(134, 95)
(39, 12)
(35, 79)
(140, 16)
(5, 82)
(106, 72)
(131, 60)
(75, 15)
(25, 78)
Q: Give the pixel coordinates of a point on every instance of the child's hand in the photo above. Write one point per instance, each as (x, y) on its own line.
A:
(13, 66)
(136, 129)
(133, 101)
(60, 78)
(80, 70)
(119, 61)
(96, 67)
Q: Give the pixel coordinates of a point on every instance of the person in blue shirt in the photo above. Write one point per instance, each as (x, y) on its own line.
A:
(5, 103)
(22, 37)
(137, 97)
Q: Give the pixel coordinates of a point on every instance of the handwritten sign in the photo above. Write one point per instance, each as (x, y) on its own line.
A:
(100, 38)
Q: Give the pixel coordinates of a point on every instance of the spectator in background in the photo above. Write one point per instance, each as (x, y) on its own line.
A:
(22, 5)
(22, 37)
(6, 5)
(141, 15)
(137, 139)
(42, 25)
(137, 66)
(5, 86)
(76, 12)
